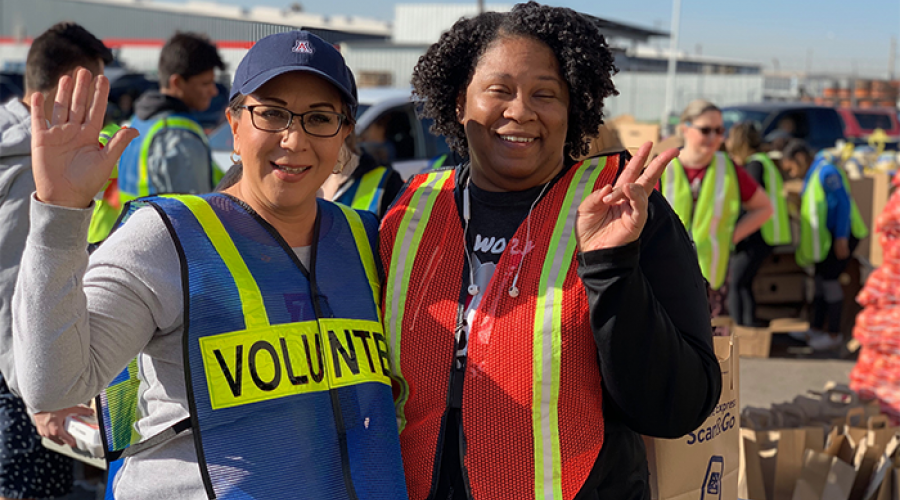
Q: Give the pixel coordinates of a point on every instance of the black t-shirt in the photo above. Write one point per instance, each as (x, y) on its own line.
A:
(647, 293)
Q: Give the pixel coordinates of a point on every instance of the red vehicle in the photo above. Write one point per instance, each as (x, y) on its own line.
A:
(859, 123)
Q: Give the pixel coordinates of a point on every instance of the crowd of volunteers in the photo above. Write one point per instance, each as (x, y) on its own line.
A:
(505, 325)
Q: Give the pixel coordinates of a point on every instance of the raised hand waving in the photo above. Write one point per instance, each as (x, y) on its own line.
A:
(68, 163)
(615, 215)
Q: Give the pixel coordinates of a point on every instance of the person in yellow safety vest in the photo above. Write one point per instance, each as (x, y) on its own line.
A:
(708, 191)
(107, 204)
(524, 288)
(250, 318)
(172, 154)
(830, 229)
(743, 144)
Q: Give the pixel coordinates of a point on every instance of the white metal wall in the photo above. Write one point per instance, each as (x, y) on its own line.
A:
(643, 95)
(397, 61)
(424, 23)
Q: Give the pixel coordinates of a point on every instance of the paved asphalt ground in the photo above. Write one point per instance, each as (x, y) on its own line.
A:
(791, 371)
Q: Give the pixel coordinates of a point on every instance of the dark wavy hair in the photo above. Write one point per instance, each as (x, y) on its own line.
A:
(585, 63)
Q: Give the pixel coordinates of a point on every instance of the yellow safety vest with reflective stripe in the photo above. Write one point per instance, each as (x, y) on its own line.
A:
(712, 220)
(105, 214)
(776, 230)
(815, 238)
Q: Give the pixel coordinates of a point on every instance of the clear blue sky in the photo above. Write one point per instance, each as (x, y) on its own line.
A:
(838, 32)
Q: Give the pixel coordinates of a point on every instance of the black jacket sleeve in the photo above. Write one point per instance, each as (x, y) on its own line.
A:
(650, 318)
(392, 188)
(755, 170)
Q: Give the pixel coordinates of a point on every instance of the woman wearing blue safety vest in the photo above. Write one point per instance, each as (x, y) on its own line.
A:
(707, 191)
(830, 229)
(237, 334)
(743, 144)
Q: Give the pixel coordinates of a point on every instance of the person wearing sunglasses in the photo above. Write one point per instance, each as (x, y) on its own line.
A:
(708, 192)
(238, 334)
(744, 144)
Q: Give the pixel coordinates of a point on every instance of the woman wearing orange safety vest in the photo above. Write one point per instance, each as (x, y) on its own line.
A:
(743, 144)
(541, 312)
(707, 191)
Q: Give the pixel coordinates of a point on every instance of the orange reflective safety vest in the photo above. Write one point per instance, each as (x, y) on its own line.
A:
(531, 404)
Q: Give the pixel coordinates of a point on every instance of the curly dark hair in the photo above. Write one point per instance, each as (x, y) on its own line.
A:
(585, 62)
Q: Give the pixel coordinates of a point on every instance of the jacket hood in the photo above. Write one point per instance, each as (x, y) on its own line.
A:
(153, 102)
(15, 131)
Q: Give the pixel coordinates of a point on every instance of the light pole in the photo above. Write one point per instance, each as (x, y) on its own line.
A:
(673, 64)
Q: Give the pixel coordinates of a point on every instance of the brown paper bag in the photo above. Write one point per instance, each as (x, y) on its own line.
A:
(827, 475)
(703, 465)
(882, 485)
(792, 446)
(751, 482)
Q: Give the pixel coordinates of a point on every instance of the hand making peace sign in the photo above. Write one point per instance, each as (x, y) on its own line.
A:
(615, 215)
(68, 163)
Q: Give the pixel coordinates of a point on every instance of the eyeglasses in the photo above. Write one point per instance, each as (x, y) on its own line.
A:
(709, 130)
(315, 123)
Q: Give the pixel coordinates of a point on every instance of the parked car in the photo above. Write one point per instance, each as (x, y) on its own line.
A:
(819, 126)
(859, 123)
(387, 127)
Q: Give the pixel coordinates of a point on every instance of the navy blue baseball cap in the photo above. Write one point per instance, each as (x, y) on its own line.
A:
(297, 50)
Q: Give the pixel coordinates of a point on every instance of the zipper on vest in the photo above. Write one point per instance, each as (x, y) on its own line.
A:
(340, 425)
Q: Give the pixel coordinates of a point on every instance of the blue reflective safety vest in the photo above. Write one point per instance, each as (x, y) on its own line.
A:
(134, 175)
(366, 192)
(287, 368)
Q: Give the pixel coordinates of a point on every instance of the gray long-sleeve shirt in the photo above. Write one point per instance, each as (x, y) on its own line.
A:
(16, 185)
(79, 321)
(75, 331)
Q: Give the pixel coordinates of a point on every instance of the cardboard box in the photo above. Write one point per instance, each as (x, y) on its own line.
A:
(755, 342)
(779, 288)
(634, 135)
(780, 263)
(871, 194)
(778, 311)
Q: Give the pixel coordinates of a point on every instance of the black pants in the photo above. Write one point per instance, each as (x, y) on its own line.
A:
(743, 266)
(828, 301)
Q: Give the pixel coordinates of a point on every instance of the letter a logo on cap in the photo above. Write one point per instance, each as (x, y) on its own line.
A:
(303, 47)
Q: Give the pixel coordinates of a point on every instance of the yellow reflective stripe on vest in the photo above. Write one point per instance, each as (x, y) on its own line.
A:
(710, 221)
(547, 334)
(260, 364)
(263, 361)
(814, 242)
(170, 122)
(365, 199)
(409, 235)
(255, 315)
(776, 230)
(365, 253)
(677, 191)
(720, 240)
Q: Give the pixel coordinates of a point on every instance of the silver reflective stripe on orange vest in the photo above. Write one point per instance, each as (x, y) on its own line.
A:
(409, 235)
(547, 334)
